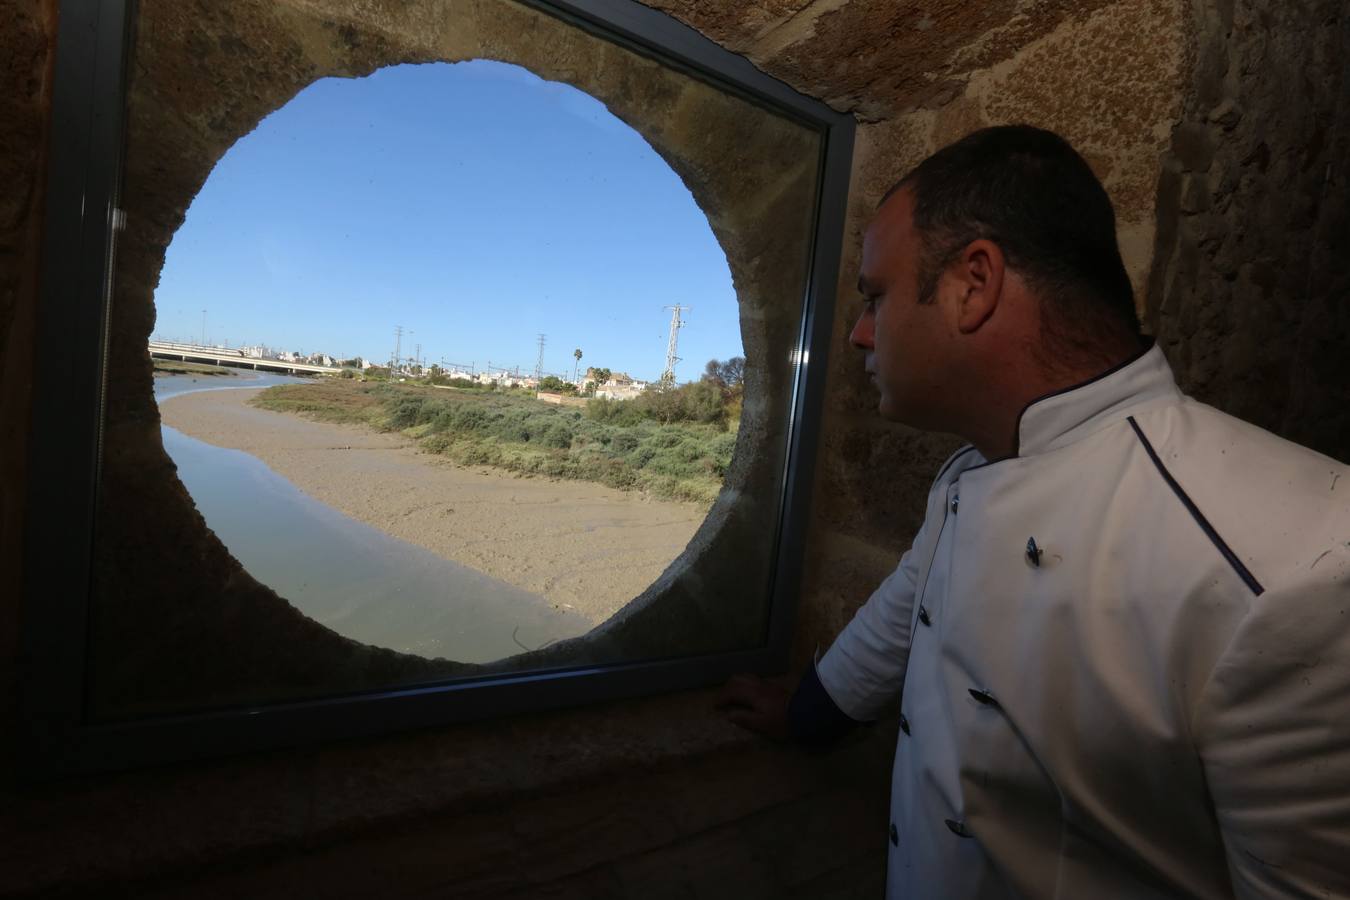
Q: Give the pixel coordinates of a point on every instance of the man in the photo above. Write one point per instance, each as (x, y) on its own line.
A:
(1121, 639)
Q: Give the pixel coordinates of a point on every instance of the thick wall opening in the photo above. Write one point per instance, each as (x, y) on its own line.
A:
(422, 489)
(168, 591)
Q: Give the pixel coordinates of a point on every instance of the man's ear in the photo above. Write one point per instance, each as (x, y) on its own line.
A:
(978, 273)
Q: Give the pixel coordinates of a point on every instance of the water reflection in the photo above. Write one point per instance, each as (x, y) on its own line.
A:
(344, 574)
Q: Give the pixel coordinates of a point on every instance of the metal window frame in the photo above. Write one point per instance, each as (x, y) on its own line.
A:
(93, 45)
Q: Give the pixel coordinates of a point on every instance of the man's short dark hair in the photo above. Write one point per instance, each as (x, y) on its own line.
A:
(1028, 191)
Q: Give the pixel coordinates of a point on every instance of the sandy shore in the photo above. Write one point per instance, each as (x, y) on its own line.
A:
(584, 546)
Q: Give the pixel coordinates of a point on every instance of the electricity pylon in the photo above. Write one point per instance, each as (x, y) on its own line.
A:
(668, 376)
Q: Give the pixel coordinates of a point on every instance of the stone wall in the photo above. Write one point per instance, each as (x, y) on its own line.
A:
(1249, 295)
(1234, 111)
(26, 38)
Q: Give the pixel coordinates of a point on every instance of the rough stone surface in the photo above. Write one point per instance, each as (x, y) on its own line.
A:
(1248, 296)
(26, 37)
(1246, 287)
(878, 58)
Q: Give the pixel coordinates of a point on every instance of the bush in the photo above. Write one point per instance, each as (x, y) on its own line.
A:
(558, 434)
(667, 437)
(554, 384)
(640, 456)
(623, 442)
(616, 443)
(405, 413)
(722, 446)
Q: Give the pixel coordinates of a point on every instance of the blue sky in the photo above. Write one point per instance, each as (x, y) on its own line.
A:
(475, 205)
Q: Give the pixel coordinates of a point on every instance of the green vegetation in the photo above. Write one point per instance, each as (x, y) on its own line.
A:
(175, 367)
(675, 444)
(555, 385)
(715, 400)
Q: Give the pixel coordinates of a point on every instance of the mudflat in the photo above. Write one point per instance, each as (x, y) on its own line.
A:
(583, 546)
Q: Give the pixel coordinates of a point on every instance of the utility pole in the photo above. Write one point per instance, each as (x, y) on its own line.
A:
(203, 328)
(418, 356)
(539, 364)
(398, 348)
(676, 323)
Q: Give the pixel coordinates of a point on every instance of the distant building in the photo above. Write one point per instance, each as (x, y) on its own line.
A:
(620, 386)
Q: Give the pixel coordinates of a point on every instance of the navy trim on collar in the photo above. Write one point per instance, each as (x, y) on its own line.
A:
(1143, 351)
(1129, 361)
(951, 461)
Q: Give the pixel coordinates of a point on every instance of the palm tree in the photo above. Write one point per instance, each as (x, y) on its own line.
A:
(577, 354)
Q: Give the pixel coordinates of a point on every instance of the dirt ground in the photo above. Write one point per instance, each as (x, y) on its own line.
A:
(584, 546)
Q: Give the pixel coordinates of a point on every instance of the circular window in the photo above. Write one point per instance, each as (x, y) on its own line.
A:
(449, 358)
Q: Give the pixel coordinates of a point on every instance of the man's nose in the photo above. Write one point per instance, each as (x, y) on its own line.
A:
(861, 335)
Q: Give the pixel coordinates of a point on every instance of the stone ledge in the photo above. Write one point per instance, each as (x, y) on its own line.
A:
(416, 810)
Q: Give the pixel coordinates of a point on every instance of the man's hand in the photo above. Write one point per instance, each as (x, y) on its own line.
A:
(758, 704)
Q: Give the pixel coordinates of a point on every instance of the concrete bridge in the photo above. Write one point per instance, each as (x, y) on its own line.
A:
(225, 356)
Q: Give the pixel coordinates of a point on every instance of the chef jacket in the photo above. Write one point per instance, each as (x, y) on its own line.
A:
(1123, 658)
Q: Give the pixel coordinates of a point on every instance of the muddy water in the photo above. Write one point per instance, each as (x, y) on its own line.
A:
(355, 579)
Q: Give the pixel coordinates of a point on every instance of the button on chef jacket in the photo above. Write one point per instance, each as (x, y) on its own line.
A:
(1123, 660)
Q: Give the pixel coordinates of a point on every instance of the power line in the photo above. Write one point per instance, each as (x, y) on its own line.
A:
(539, 364)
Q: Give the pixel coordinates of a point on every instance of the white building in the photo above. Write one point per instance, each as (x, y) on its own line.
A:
(620, 386)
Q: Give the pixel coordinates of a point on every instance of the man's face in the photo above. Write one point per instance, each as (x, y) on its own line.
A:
(907, 344)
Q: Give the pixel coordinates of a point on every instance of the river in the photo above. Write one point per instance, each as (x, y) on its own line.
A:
(355, 579)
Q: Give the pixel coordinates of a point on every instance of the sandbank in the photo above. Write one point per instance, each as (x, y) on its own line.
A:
(583, 546)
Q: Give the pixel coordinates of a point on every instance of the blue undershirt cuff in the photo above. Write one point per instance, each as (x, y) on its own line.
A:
(814, 719)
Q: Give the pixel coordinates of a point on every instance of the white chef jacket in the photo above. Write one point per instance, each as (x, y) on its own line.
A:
(1153, 699)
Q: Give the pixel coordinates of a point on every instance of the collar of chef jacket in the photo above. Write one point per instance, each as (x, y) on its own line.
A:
(1058, 419)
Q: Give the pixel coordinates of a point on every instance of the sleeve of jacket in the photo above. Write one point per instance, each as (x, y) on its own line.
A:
(1273, 731)
(865, 667)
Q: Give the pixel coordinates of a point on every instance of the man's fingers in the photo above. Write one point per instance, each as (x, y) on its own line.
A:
(758, 704)
(744, 718)
(740, 690)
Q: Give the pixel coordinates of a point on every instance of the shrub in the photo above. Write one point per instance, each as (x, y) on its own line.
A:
(623, 442)
(405, 413)
(616, 443)
(640, 456)
(558, 434)
(469, 417)
(667, 437)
